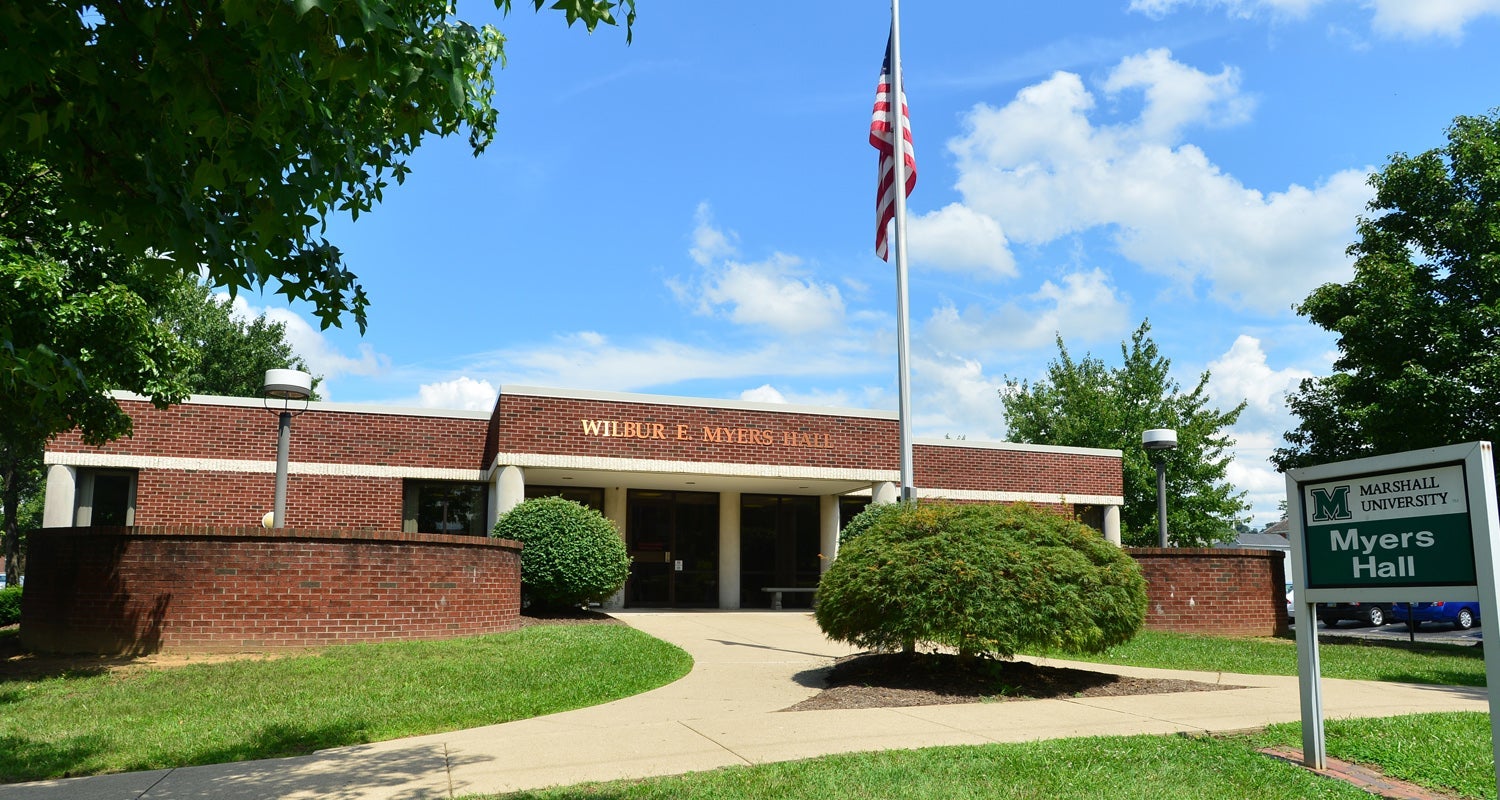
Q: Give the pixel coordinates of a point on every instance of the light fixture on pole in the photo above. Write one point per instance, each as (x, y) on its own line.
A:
(1158, 441)
(288, 386)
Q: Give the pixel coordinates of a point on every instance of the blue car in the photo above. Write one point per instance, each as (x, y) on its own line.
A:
(1463, 616)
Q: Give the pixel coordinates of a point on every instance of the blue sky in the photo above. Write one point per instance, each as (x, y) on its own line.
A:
(693, 214)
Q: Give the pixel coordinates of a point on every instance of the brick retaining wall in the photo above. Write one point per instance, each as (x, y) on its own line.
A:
(204, 589)
(1220, 591)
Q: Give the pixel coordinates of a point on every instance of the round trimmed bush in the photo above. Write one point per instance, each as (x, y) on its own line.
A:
(571, 554)
(983, 579)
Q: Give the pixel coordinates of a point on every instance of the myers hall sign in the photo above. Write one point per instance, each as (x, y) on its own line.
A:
(1397, 529)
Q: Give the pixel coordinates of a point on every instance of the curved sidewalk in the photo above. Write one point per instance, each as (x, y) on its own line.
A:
(747, 666)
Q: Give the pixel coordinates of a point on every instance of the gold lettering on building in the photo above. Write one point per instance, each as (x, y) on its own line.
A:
(759, 437)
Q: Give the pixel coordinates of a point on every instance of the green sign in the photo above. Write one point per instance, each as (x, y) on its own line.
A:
(1406, 528)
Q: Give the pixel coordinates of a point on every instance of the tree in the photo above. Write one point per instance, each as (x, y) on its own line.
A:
(982, 579)
(76, 318)
(1087, 404)
(1419, 324)
(230, 355)
(223, 135)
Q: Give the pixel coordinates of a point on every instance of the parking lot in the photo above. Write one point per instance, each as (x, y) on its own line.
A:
(1428, 632)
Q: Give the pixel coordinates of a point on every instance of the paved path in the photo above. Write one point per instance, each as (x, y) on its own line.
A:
(747, 666)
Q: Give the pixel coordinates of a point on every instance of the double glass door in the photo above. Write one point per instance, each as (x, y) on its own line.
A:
(673, 540)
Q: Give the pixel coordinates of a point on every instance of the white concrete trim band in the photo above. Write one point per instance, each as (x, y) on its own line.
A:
(1038, 498)
(116, 461)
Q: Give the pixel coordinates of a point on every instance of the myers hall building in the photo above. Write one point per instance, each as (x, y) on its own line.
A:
(717, 500)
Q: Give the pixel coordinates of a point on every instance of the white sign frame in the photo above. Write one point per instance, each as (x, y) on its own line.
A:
(1484, 523)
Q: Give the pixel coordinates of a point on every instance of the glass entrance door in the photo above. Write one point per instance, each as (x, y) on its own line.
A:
(779, 542)
(673, 539)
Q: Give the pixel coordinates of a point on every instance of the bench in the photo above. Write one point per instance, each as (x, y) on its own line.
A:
(777, 590)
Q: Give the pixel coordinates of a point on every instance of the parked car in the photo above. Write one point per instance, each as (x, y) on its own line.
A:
(1463, 616)
(1377, 614)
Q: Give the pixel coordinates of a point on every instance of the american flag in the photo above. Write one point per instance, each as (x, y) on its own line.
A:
(882, 137)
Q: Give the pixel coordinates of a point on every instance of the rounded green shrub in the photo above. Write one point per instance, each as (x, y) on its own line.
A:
(983, 579)
(571, 554)
(10, 605)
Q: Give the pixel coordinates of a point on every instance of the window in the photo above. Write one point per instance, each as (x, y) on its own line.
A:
(105, 498)
(446, 507)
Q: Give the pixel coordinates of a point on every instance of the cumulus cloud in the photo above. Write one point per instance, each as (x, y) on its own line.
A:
(764, 393)
(1042, 169)
(1085, 304)
(324, 359)
(1416, 19)
(957, 238)
(1244, 374)
(773, 294)
(710, 244)
(462, 393)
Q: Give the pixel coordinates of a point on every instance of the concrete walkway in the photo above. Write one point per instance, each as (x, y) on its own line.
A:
(747, 666)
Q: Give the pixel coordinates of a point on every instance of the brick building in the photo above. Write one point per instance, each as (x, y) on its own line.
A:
(716, 499)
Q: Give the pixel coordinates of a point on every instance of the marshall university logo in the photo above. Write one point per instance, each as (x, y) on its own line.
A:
(1331, 505)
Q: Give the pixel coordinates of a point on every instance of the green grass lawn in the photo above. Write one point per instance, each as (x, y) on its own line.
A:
(1345, 657)
(1104, 768)
(86, 724)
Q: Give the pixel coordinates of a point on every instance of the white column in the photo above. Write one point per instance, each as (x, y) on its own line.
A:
(729, 549)
(614, 511)
(1112, 525)
(828, 529)
(510, 488)
(883, 493)
(61, 497)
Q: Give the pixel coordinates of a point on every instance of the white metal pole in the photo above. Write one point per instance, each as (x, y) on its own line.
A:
(903, 344)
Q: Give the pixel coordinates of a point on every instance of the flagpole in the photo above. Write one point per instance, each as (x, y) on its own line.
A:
(903, 380)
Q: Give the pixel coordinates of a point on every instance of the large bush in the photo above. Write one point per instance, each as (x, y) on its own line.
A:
(983, 579)
(572, 554)
(862, 521)
(10, 605)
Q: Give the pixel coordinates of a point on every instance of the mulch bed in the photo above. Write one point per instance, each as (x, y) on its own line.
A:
(886, 680)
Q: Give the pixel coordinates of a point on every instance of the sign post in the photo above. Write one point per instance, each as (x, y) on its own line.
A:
(1420, 524)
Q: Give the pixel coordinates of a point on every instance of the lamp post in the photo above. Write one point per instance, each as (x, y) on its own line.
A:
(1158, 441)
(288, 386)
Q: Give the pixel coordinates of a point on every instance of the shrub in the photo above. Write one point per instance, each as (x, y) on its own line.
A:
(571, 555)
(862, 521)
(10, 605)
(983, 579)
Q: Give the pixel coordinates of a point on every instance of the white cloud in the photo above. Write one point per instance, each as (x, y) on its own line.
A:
(1178, 95)
(771, 294)
(1404, 19)
(324, 359)
(764, 393)
(709, 243)
(954, 397)
(1238, 8)
(1085, 305)
(1042, 170)
(462, 392)
(1244, 374)
(1416, 19)
(958, 239)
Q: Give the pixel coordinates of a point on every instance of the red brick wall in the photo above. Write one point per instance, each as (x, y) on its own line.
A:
(999, 470)
(1221, 591)
(207, 497)
(246, 433)
(184, 588)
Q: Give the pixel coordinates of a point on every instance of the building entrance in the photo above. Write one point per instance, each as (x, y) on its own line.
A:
(673, 540)
(779, 546)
